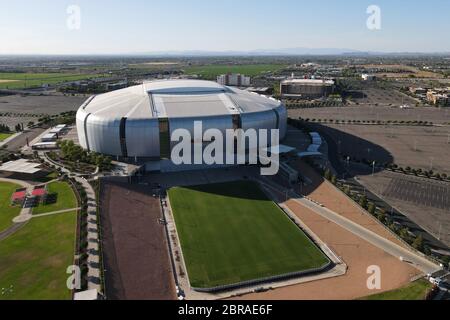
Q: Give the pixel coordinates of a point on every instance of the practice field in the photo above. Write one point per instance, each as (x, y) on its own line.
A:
(34, 260)
(7, 212)
(60, 197)
(231, 233)
(211, 72)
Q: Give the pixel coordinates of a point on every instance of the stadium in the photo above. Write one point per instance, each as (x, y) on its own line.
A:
(137, 122)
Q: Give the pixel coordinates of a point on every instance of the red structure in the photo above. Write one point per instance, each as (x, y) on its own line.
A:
(19, 196)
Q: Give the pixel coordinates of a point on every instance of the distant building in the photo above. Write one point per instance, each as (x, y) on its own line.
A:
(267, 91)
(306, 88)
(438, 99)
(416, 90)
(368, 77)
(236, 79)
(116, 85)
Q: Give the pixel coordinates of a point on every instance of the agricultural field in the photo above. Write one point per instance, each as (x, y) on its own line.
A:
(210, 72)
(36, 257)
(414, 291)
(29, 80)
(249, 238)
(60, 197)
(7, 212)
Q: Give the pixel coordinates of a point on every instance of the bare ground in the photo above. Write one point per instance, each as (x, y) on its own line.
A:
(135, 248)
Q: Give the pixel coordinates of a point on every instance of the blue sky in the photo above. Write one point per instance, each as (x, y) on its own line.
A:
(135, 26)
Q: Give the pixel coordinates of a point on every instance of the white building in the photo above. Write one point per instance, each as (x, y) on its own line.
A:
(236, 79)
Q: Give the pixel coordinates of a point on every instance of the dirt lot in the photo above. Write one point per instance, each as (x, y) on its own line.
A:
(135, 248)
(434, 115)
(36, 105)
(417, 147)
(422, 207)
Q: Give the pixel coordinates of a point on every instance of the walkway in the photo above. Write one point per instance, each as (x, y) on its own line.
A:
(94, 263)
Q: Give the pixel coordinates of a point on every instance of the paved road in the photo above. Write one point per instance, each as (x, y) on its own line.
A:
(418, 261)
(18, 142)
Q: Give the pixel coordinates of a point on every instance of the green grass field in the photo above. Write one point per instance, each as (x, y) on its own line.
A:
(211, 72)
(4, 136)
(7, 212)
(34, 260)
(232, 232)
(27, 80)
(414, 291)
(65, 198)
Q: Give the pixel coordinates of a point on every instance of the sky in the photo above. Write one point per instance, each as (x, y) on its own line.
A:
(144, 26)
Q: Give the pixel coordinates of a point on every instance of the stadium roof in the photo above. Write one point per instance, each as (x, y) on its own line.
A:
(176, 99)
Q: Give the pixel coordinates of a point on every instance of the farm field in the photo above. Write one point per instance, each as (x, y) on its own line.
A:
(61, 197)
(210, 72)
(36, 257)
(249, 238)
(7, 212)
(28, 80)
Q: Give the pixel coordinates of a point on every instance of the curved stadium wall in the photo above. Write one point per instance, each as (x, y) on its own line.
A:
(137, 122)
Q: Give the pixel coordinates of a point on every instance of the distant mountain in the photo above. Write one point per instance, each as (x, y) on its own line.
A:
(301, 51)
(259, 52)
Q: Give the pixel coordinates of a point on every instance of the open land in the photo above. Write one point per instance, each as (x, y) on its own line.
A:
(134, 244)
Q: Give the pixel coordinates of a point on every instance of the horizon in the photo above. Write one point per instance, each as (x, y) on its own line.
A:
(147, 28)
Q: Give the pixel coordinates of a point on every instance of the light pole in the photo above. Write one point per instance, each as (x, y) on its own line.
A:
(373, 168)
(440, 229)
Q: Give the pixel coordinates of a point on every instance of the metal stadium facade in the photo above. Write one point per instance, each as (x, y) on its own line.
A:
(137, 122)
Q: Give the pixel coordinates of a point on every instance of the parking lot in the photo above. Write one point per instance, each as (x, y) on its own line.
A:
(434, 195)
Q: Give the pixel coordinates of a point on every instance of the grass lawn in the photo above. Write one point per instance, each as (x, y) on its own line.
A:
(414, 291)
(34, 259)
(4, 136)
(232, 232)
(211, 72)
(7, 212)
(64, 198)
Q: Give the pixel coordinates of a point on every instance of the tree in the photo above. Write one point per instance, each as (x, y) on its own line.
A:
(333, 179)
(327, 174)
(371, 208)
(418, 243)
(363, 201)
